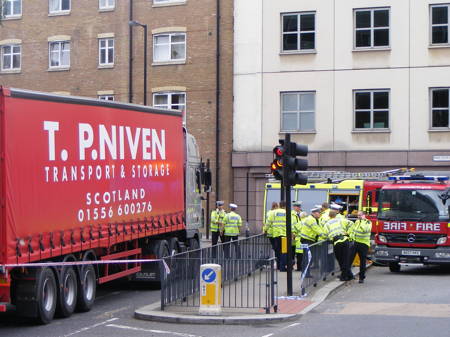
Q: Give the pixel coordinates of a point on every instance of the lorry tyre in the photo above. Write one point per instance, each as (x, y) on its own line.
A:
(394, 267)
(67, 296)
(174, 246)
(46, 296)
(161, 249)
(193, 243)
(87, 286)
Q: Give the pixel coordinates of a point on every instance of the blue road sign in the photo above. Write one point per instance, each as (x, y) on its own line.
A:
(208, 275)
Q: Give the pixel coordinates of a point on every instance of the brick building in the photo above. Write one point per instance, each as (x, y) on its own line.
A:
(88, 48)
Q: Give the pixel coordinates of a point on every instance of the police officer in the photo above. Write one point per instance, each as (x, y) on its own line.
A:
(232, 227)
(267, 229)
(311, 230)
(360, 234)
(335, 231)
(295, 225)
(277, 220)
(296, 230)
(324, 212)
(216, 226)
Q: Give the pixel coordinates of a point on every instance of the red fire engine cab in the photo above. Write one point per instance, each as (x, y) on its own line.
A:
(413, 221)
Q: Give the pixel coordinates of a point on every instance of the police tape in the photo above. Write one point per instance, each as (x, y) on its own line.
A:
(83, 263)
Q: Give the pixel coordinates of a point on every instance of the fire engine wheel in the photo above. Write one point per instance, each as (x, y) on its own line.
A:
(87, 286)
(394, 267)
(46, 296)
(174, 246)
(67, 299)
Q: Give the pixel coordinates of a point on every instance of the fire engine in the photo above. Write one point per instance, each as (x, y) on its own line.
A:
(413, 221)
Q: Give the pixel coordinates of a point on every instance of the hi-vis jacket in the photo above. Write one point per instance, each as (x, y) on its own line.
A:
(277, 221)
(335, 230)
(360, 231)
(232, 223)
(267, 228)
(311, 229)
(217, 217)
(296, 230)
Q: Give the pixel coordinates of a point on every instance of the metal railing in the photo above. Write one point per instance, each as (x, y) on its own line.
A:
(318, 264)
(249, 276)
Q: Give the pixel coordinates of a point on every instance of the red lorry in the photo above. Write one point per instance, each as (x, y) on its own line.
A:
(94, 181)
(413, 221)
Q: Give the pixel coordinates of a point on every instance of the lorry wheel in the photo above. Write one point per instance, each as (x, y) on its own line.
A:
(193, 244)
(87, 286)
(67, 299)
(394, 267)
(174, 246)
(46, 296)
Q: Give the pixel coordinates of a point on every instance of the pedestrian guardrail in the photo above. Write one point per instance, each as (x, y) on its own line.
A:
(249, 276)
(318, 264)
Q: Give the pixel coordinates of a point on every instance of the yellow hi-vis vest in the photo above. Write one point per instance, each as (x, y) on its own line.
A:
(360, 231)
(267, 228)
(217, 217)
(232, 223)
(335, 228)
(277, 220)
(311, 229)
(296, 230)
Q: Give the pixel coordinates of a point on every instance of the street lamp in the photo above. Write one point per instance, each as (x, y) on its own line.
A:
(135, 23)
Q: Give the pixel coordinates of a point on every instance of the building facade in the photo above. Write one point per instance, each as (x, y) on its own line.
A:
(365, 83)
(88, 48)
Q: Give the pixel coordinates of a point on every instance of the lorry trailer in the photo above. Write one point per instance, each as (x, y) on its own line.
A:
(99, 182)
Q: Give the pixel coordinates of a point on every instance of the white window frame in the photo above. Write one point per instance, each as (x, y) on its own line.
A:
(11, 55)
(108, 5)
(12, 15)
(59, 10)
(59, 54)
(431, 109)
(371, 109)
(299, 32)
(107, 49)
(167, 2)
(110, 98)
(439, 24)
(169, 59)
(169, 101)
(371, 28)
(299, 112)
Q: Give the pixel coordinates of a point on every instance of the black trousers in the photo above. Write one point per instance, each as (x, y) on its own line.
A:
(215, 238)
(299, 261)
(361, 249)
(342, 253)
(235, 245)
(281, 258)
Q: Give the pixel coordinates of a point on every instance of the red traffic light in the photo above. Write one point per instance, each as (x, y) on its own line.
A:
(278, 150)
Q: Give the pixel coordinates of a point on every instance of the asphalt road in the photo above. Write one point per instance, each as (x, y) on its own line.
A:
(412, 303)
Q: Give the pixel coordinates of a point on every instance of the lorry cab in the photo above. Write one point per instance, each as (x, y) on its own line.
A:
(413, 221)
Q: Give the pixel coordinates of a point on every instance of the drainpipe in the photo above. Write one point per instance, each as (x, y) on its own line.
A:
(217, 98)
(130, 59)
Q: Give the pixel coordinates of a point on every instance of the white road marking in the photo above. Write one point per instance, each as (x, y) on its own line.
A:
(91, 327)
(292, 325)
(125, 327)
(271, 334)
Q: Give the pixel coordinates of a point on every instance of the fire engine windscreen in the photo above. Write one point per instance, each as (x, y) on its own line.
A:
(413, 205)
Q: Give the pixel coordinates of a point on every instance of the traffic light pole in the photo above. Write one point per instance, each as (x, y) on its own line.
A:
(287, 190)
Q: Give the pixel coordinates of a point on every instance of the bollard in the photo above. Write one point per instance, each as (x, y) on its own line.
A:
(210, 289)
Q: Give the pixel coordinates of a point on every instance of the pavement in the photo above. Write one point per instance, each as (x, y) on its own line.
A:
(289, 308)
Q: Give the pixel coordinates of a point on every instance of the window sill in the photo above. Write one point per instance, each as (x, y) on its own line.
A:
(59, 13)
(168, 63)
(312, 132)
(439, 46)
(439, 130)
(357, 50)
(101, 10)
(371, 131)
(59, 69)
(175, 3)
(105, 66)
(11, 71)
(12, 17)
(299, 52)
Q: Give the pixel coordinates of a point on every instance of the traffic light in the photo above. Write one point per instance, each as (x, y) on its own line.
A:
(292, 164)
(277, 164)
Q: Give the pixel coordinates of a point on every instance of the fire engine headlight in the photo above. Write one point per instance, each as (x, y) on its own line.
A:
(382, 238)
(382, 253)
(442, 255)
(441, 240)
